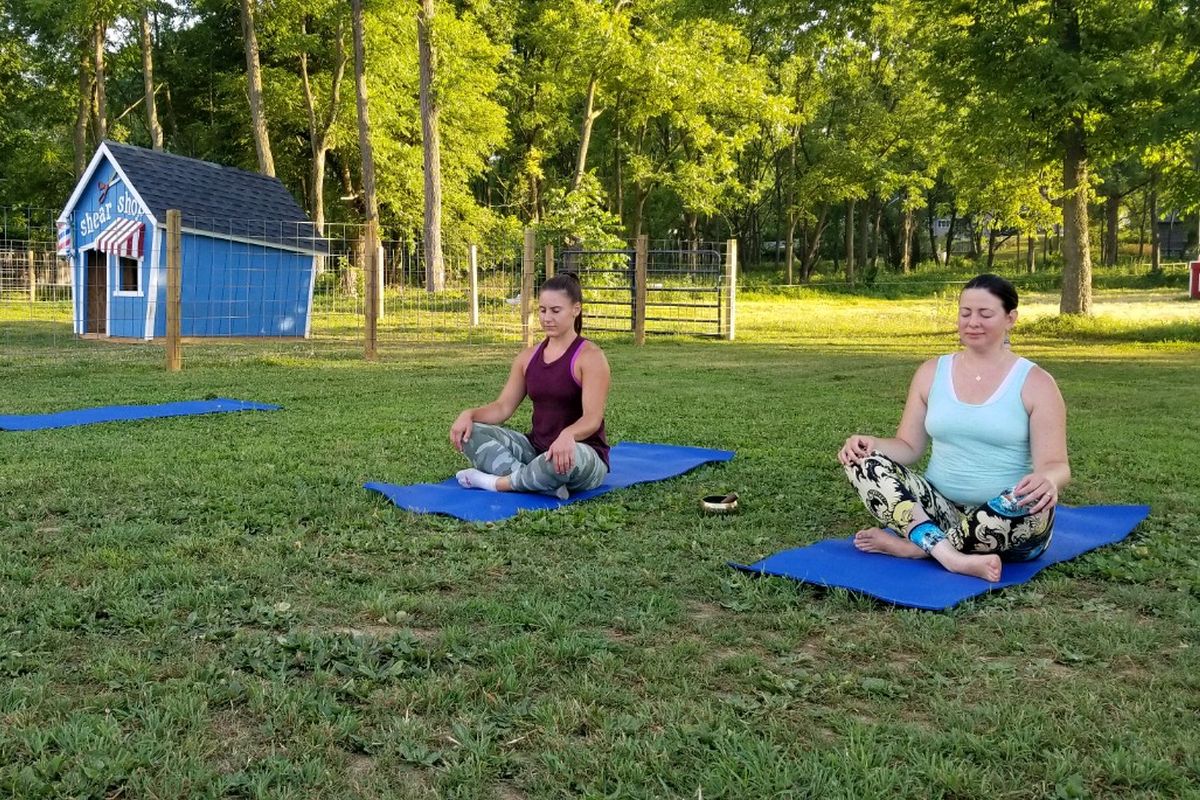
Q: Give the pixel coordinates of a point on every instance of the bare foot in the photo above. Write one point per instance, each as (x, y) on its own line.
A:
(986, 566)
(877, 540)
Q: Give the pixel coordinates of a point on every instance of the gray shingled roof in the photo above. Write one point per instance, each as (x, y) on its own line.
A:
(211, 197)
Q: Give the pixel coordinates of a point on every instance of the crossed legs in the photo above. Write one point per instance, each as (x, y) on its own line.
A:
(505, 461)
(920, 523)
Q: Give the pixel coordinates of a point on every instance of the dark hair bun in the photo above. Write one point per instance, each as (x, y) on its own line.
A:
(1004, 291)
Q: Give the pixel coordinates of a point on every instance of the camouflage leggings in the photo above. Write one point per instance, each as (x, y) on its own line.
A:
(500, 451)
(891, 492)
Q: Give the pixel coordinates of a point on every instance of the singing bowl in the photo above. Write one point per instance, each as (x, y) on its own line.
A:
(719, 503)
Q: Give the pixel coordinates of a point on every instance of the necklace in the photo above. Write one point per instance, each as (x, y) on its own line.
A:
(966, 369)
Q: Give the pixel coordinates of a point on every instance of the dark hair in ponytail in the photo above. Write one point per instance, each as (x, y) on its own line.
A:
(1004, 291)
(568, 284)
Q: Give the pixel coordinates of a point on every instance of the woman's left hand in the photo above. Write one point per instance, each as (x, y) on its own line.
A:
(1036, 492)
(562, 453)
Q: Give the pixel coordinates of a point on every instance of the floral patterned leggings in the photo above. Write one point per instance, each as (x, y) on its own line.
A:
(891, 492)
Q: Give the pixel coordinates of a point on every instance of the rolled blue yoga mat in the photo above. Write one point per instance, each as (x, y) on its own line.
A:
(922, 583)
(632, 462)
(91, 416)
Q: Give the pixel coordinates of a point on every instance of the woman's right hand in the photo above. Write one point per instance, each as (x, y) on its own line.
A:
(460, 431)
(856, 448)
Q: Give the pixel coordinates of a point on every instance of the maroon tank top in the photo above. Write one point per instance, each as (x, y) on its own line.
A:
(558, 399)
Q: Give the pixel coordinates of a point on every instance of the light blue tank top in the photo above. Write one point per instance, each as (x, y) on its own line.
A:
(979, 450)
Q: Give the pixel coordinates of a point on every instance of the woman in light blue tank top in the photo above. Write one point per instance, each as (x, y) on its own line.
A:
(997, 424)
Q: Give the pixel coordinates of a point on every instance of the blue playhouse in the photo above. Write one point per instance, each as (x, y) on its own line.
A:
(248, 253)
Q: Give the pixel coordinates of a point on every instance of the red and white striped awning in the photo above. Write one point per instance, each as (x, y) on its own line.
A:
(124, 237)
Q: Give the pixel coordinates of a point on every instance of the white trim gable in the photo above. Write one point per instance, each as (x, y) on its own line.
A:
(102, 152)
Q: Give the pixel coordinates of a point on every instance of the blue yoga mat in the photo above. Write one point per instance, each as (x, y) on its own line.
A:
(921, 583)
(89, 416)
(632, 462)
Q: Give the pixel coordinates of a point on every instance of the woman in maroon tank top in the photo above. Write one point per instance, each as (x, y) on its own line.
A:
(567, 379)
